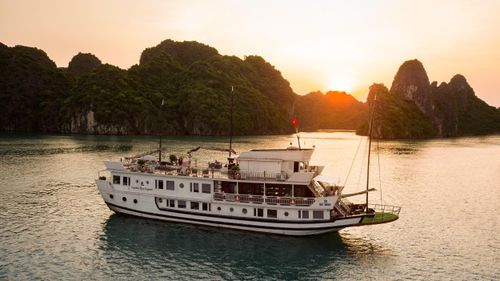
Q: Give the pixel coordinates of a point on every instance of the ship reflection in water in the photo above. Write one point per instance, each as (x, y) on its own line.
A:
(183, 251)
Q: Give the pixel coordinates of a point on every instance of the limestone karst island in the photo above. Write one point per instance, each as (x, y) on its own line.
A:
(193, 81)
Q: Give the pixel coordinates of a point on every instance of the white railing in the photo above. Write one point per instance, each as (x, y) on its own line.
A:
(387, 209)
(260, 199)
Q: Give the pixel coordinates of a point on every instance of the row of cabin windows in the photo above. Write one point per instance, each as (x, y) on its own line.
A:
(271, 213)
(304, 214)
(168, 185)
(183, 204)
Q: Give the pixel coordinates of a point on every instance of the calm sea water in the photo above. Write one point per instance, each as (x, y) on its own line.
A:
(55, 226)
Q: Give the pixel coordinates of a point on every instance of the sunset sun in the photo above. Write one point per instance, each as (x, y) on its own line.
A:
(340, 83)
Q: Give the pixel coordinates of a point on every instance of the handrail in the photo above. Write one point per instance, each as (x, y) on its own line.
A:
(382, 208)
(261, 199)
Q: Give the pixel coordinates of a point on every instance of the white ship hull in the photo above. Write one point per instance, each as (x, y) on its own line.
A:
(144, 204)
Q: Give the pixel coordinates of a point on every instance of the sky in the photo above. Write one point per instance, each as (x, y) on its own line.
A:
(316, 44)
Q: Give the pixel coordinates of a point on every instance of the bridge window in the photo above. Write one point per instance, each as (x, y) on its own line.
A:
(204, 206)
(116, 179)
(126, 180)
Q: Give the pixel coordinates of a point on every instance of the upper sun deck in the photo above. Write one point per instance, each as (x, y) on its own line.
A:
(290, 154)
(278, 165)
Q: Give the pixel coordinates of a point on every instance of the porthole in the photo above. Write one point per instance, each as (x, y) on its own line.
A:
(244, 211)
(135, 201)
(218, 209)
(286, 214)
(231, 209)
(147, 182)
(124, 199)
(111, 196)
(160, 200)
(136, 181)
(181, 185)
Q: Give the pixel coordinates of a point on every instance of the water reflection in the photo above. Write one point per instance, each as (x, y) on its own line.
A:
(184, 250)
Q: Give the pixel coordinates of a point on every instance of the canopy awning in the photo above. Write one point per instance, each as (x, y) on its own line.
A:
(327, 179)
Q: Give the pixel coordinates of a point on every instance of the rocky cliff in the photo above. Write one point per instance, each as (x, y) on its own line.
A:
(453, 108)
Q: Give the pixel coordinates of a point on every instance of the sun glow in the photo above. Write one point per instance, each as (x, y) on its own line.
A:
(339, 83)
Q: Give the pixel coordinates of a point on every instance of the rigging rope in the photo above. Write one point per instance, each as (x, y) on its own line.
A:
(379, 178)
(353, 160)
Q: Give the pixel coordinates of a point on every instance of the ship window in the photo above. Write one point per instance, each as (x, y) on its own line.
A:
(160, 184)
(228, 187)
(136, 181)
(196, 187)
(195, 206)
(204, 206)
(147, 182)
(125, 180)
(116, 179)
(111, 196)
(260, 212)
(171, 203)
(135, 201)
(181, 185)
(170, 185)
(318, 214)
(160, 200)
(304, 214)
(181, 204)
(244, 211)
(286, 214)
(205, 188)
(124, 199)
(231, 209)
(218, 208)
(272, 213)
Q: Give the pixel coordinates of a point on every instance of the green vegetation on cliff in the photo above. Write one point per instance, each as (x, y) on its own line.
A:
(193, 81)
(332, 110)
(396, 118)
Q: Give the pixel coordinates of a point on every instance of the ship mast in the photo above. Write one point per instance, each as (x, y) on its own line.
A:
(231, 124)
(161, 107)
(370, 129)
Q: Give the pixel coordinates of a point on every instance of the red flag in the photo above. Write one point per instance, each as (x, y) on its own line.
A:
(294, 121)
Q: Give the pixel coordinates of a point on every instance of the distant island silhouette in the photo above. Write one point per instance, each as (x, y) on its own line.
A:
(184, 88)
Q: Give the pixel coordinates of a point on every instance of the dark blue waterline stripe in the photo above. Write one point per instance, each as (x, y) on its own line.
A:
(228, 223)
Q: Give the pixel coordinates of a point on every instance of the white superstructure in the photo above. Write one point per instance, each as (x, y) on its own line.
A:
(272, 191)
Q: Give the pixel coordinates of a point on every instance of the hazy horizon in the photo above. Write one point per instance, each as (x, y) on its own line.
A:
(323, 45)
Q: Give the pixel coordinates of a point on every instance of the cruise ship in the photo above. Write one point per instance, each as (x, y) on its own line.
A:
(274, 191)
